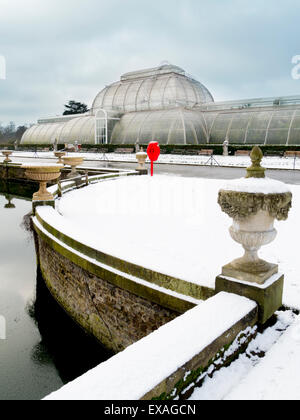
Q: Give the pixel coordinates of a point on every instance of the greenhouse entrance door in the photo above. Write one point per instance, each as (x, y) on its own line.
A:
(103, 126)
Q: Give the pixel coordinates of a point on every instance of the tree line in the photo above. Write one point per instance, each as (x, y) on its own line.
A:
(10, 133)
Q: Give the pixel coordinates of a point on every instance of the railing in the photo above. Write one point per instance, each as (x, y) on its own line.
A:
(77, 181)
(83, 180)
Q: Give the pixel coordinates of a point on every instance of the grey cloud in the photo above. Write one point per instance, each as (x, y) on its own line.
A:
(61, 50)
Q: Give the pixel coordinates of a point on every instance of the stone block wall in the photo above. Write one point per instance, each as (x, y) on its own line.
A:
(116, 317)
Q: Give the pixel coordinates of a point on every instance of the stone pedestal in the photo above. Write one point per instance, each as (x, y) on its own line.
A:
(7, 155)
(42, 174)
(142, 171)
(36, 204)
(59, 155)
(141, 158)
(254, 203)
(267, 296)
(73, 162)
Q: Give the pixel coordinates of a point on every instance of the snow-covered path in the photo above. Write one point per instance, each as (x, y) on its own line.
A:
(174, 225)
(229, 161)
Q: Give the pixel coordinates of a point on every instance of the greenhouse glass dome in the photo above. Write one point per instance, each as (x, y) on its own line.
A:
(167, 105)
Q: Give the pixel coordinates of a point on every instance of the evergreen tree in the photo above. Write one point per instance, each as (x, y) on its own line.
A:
(74, 107)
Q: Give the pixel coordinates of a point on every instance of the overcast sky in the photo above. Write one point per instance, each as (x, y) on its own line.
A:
(58, 50)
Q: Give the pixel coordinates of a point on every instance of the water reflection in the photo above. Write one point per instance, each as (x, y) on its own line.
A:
(43, 348)
(72, 350)
(18, 189)
(9, 204)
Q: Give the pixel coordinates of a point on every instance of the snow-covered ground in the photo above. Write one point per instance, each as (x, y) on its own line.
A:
(231, 161)
(175, 226)
(268, 370)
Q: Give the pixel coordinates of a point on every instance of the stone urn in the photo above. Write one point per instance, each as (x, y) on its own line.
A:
(7, 154)
(141, 158)
(73, 162)
(254, 203)
(59, 155)
(42, 174)
(9, 204)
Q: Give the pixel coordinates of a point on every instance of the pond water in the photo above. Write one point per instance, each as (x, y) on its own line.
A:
(41, 348)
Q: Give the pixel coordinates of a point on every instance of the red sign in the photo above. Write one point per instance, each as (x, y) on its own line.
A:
(153, 152)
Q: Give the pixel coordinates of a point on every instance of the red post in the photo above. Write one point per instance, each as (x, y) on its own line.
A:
(153, 152)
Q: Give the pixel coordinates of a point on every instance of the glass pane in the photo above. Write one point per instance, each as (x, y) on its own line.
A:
(176, 134)
(131, 97)
(218, 136)
(277, 137)
(296, 122)
(237, 136)
(295, 136)
(120, 96)
(143, 97)
(256, 137)
(240, 121)
(222, 122)
(260, 120)
(156, 97)
(109, 96)
(281, 120)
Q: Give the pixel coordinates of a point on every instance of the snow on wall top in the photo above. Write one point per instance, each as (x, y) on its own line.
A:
(134, 372)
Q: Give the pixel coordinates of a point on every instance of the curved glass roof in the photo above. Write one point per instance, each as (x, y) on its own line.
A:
(80, 129)
(153, 89)
(167, 105)
(176, 126)
(269, 126)
(179, 126)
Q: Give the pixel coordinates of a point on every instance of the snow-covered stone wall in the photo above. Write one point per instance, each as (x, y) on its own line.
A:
(171, 361)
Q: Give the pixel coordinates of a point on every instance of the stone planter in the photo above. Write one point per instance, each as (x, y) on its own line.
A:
(141, 158)
(73, 162)
(252, 234)
(59, 155)
(9, 204)
(7, 153)
(42, 174)
(254, 204)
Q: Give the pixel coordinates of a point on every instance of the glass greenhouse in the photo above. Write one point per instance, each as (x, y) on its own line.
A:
(169, 106)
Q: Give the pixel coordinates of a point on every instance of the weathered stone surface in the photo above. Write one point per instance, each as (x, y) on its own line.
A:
(177, 285)
(36, 204)
(268, 297)
(182, 382)
(256, 170)
(241, 205)
(142, 171)
(116, 317)
(252, 273)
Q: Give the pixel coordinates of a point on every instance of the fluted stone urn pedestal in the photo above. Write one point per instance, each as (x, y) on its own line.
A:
(42, 174)
(9, 204)
(141, 158)
(254, 203)
(59, 155)
(73, 162)
(7, 155)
